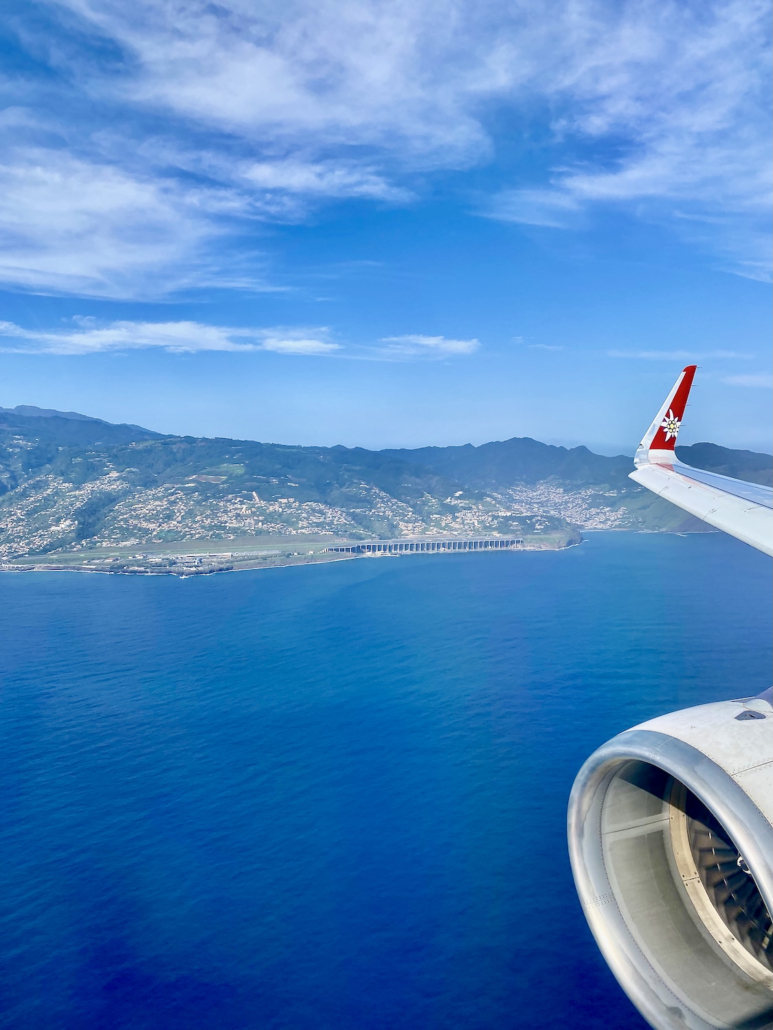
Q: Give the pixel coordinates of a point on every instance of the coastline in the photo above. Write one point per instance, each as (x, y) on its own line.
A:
(233, 563)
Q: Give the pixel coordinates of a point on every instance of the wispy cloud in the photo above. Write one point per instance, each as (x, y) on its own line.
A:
(416, 345)
(762, 379)
(178, 337)
(545, 346)
(86, 335)
(77, 226)
(551, 208)
(234, 112)
(680, 89)
(288, 343)
(323, 179)
(679, 355)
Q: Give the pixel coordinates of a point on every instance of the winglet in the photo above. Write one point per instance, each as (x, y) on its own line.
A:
(660, 439)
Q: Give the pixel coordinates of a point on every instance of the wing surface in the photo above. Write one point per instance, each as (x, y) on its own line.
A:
(744, 510)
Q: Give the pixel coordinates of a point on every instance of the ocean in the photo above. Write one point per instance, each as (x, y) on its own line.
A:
(333, 797)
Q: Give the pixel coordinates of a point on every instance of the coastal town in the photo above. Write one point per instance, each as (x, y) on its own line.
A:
(41, 523)
(78, 493)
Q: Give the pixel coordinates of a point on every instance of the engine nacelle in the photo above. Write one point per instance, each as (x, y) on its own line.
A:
(671, 843)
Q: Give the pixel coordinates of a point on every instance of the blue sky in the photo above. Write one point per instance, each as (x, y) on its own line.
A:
(386, 222)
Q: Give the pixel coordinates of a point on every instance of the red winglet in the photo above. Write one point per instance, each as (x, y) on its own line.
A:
(661, 435)
(665, 437)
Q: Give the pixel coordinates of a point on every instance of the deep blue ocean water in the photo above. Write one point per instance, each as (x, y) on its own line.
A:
(333, 797)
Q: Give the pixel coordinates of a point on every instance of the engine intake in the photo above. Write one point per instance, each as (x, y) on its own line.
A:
(671, 843)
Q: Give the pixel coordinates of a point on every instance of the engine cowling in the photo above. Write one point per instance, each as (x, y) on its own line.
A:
(671, 844)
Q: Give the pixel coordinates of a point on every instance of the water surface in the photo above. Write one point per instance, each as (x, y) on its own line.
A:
(333, 797)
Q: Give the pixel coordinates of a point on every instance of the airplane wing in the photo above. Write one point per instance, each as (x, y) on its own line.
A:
(744, 510)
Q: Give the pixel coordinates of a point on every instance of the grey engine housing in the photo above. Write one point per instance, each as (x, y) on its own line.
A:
(671, 844)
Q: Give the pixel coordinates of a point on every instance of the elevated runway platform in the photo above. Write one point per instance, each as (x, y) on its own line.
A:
(427, 546)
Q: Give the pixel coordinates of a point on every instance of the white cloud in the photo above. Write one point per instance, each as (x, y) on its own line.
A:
(287, 344)
(679, 355)
(326, 72)
(545, 346)
(324, 179)
(763, 379)
(238, 111)
(73, 226)
(87, 335)
(436, 346)
(87, 226)
(177, 337)
(70, 225)
(550, 208)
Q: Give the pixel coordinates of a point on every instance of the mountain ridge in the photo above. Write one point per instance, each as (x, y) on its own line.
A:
(524, 459)
(84, 483)
(757, 466)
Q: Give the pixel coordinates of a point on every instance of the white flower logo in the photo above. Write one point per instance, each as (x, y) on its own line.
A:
(671, 425)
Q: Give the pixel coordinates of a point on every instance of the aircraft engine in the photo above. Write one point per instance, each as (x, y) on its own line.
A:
(671, 844)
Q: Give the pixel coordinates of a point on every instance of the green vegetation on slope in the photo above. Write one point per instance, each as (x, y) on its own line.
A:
(523, 462)
(77, 482)
(77, 489)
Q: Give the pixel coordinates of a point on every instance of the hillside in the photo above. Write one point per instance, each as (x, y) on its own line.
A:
(71, 483)
(67, 428)
(563, 479)
(521, 460)
(500, 465)
(68, 482)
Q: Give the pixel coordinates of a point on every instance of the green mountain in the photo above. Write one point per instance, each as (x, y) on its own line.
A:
(748, 465)
(52, 431)
(513, 466)
(68, 481)
(521, 460)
